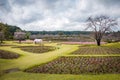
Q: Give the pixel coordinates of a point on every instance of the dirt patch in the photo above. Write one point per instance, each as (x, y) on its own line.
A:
(6, 45)
(8, 55)
(81, 43)
(97, 50)
(11, 70)
(37, 49)
(79, 65)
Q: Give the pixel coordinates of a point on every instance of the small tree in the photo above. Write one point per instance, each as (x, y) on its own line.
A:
(19, 36)
(100, 25)
(27, 35)
(1, 37)
(2, 31)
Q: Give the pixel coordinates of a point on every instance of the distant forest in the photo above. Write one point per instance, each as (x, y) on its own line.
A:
(60, 32)
(8, 32)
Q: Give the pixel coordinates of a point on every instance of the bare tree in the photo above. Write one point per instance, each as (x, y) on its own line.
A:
(100, 25)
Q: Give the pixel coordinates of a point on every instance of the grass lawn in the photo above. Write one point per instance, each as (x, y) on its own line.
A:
(34, 76)
(28, 59)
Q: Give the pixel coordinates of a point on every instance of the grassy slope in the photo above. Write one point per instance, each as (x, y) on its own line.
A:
(117, 45)
(29, 59)
(34, 76)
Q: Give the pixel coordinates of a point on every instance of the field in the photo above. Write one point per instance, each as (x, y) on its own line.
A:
(80, 65)
(97, 50)
(36, 49)
(60, 62)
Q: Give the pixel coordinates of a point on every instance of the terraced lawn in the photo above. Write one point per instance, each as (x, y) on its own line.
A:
(29, 59)
(79, 65)
(62, 63)
(8, 55)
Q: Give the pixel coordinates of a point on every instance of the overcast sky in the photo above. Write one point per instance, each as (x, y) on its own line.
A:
(50, 15)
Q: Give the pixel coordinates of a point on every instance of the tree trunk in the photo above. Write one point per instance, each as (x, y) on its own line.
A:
(1, 41)
(20, 41)
(98, 42)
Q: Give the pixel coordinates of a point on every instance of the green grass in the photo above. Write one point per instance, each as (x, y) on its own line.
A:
(28, 60)
(115, 45)
(33, 76)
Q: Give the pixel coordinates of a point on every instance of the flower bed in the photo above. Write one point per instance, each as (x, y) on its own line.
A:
(37, 49)
(81, 42)
(97, 50)
(8, 55)
(79, 65)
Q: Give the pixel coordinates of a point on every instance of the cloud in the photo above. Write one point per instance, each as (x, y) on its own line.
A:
(5, 6)
(55, 14)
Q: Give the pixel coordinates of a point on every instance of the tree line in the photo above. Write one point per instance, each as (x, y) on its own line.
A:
(7, 31)
(60, 32)
(99, 26)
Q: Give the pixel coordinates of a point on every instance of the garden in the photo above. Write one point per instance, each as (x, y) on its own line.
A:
(80, 65)
(83, 64)
(8, 55)
(69, 62)
(36, 49)
(97, 50)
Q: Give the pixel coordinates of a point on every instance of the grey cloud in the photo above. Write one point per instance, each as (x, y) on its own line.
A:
(5, 6)
(62, 14)
(23, 2)
(34, 17)
(110, 2)
(57, 6)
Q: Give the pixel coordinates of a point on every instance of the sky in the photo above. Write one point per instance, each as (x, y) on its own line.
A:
(51, 15)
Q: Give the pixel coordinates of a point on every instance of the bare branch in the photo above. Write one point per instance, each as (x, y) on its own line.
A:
(100, 25)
